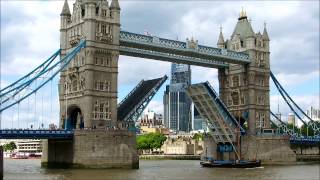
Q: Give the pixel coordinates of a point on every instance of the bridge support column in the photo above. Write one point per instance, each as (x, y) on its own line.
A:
(97, 148)
(269, 149)
(1, 163)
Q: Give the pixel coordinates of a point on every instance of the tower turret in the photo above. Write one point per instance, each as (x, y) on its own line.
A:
(265, 33)
(65, 10)
(115, 15)
(220, 43)
(65, 18)
(244, 88)
(115, 5)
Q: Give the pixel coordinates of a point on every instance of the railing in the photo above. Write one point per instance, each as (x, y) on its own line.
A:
(35, 134)
(128, 39)
(171, 57)
(305, 140)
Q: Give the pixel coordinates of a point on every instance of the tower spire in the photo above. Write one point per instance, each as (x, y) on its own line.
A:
(221, 39)
(115, 5)
(65, 9)
(265, 33)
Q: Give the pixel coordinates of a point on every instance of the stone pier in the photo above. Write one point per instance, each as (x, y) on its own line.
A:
(92, 149)
(269, 149)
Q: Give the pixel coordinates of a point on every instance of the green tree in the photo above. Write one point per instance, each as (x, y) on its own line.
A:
(9, 146)
(197, 136)
(150, 141)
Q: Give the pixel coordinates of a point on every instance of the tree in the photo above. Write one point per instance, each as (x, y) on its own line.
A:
(150, 141)
(9, 146)
(197, 136)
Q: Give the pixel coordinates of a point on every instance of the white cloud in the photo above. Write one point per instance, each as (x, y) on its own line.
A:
(156, 106)
(30, 33)
(296, 79)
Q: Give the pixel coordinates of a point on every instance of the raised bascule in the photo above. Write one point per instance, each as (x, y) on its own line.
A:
(100, 134)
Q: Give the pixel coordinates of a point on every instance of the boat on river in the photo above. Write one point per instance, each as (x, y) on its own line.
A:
(231, 164)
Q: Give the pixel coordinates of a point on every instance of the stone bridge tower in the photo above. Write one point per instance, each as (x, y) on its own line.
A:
(88, 92)
(245, 89)
(88, 87)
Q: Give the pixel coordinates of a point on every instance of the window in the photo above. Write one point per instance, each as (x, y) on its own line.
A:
(235, 80)
(101, 86)
(95, 113)
(235, 97)
(97, 11)
(82, 12)
(101, 110)
(74, 85)
(107, 110)
(104, 29)
(104, 13)
(107, 86)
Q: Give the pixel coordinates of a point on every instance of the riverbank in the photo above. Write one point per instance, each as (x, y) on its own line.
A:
(169, 157)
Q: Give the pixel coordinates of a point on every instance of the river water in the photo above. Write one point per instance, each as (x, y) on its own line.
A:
(160, 170)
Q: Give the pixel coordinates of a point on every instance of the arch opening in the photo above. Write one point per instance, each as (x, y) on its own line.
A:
(74, 118)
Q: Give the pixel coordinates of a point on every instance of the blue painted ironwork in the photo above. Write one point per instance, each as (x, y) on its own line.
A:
(171, 57)
(305, 140)
(224, 148)
(315, 127)
(282, 126)
(22, 81)
(36, 134)
(60, 65)
(228, 117)
(139, 45)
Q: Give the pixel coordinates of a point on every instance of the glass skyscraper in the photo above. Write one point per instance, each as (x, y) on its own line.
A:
(177, 104)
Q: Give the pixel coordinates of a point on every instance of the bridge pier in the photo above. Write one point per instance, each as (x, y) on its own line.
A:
(97, 148)
(270, 149)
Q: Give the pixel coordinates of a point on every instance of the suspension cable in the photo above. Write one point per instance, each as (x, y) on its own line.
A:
(276, 81)
(42, 111)
(284, 97)
(51, 115)
(28, 113)
(63, 63)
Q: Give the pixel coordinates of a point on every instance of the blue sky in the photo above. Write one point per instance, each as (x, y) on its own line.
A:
(30, 34)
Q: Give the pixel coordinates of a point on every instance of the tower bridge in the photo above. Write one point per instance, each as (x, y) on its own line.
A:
(99, 132)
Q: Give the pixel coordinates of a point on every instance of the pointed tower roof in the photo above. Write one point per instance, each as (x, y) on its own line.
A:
(115, 5)
(265, 33)
(65, 9)
(243, 27)
(221, 39)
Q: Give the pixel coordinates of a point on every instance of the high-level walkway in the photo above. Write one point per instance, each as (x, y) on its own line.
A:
(152, 47)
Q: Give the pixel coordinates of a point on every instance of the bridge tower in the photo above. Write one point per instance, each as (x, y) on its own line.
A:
(88, 87)
(245, 89)
(88, 92)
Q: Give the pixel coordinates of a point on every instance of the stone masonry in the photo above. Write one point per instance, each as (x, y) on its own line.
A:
(88, 87)
(88, 92)
(245, 89)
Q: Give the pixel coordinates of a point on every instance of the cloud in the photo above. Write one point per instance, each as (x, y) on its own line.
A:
(156, 106)
(295, 78)
(30, 34)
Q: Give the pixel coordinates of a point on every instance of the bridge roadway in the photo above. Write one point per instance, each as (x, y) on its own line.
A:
(152, 47)
(68, 134)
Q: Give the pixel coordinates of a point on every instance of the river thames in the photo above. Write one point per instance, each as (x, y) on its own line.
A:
(160, 170)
